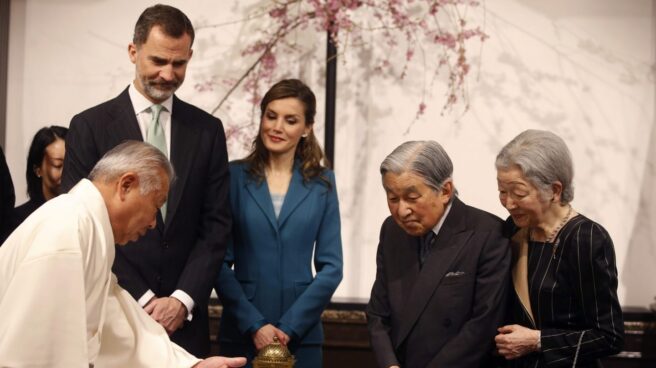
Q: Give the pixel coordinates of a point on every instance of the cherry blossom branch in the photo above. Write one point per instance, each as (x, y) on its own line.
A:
(267, 51)
(439, 29)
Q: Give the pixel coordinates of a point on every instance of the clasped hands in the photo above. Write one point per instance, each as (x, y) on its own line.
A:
(264, 336)
(168, 312)
(514, 341)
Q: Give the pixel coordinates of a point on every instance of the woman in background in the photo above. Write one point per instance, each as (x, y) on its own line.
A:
(45, 161)
(564, 311)
(285, 218)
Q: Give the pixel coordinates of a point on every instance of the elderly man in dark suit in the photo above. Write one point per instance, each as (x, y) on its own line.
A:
(442, 268)
(171, 269)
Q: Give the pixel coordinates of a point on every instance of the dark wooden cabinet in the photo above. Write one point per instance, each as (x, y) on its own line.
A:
(347, 341)
(639, 340)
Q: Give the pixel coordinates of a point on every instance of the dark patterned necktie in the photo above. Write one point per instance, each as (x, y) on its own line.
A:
(426, 243)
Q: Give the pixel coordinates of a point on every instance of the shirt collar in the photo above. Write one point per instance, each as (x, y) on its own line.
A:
(141, 103)
(437, 227)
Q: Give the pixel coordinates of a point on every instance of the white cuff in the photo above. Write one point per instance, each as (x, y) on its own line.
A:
(186, 300)
(145, 298)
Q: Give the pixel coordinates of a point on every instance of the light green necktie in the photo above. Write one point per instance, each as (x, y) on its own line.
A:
(157, 139)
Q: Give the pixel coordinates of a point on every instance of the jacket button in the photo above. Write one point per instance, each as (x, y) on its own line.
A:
(446, 323)
(166, 245)
(159, 278)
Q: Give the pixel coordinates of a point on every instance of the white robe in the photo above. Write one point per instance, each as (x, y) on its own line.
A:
(60, 305)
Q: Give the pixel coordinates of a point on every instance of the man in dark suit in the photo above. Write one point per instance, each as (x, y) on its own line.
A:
(7, 197)
(442, 268)
(171, 269)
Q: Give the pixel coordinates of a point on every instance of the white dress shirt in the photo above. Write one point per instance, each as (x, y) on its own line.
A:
(144, 116)
(437, 227)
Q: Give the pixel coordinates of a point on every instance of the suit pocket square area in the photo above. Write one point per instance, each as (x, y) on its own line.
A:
(455, 274)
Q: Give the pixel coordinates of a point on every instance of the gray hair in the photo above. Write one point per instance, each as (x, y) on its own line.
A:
(140, 157)
(427, 159)
(543, 158)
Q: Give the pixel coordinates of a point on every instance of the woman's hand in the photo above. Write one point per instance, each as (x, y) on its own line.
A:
(264, 336)
(514, 341)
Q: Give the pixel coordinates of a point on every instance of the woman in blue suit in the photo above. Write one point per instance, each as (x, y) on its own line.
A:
(285, 217)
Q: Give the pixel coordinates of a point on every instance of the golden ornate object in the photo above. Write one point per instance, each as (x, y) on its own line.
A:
(274, 355)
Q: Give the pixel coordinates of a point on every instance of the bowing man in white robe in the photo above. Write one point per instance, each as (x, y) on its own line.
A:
(60, 305)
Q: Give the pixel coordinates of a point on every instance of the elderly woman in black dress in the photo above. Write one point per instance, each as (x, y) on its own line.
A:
(564, 311)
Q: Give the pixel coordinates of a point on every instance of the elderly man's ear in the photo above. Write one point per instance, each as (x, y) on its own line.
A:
(127, 182)
(447, 190)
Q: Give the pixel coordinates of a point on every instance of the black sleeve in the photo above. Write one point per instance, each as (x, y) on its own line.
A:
(594, 281)
(8, 197)
(205, 260)
(81, 153)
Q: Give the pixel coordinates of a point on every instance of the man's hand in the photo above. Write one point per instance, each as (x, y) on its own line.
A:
(264, 336)
(221, 362)
(168, 312)
(514, 341)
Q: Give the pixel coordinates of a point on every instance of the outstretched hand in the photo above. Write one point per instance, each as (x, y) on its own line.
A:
(221, 362)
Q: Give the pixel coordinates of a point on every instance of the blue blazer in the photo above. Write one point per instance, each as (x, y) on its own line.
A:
(272, 279)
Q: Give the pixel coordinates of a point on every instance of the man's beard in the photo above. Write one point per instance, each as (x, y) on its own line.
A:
(151, 88)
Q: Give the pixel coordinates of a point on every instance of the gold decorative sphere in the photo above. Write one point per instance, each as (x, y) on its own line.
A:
(274, 355)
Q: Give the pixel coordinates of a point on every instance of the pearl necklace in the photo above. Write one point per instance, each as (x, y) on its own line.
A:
(552, 237)
(555, 231)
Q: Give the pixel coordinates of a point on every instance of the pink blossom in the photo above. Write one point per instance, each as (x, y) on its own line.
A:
(446, 39)
(422, 108)
(409, 54)
(269, 61)
(204, 86)
(278, 12)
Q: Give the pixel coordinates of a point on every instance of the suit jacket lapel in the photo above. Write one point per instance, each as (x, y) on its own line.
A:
(260, 194)
(448, 244)
(125, 124)
(407, 258)
(184, 145)
(296, 192)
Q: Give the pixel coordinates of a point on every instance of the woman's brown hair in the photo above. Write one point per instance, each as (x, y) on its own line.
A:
(308, 151)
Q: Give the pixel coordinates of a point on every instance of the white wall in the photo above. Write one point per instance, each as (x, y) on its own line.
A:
(583, 69)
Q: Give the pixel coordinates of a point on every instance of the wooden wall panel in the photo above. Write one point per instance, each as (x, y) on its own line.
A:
(347, 341)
